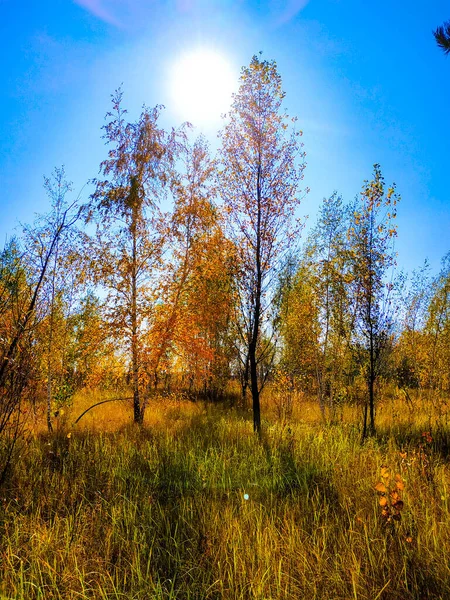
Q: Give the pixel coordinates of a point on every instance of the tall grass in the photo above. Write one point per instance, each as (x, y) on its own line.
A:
(193, 506)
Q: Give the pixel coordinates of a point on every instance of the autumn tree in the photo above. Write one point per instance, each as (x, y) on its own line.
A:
(205, 341)
(370, 236)
(128, 241)
(21, 284)
(91, 360)
(411, 347)
(19, 363)
(190, 325)
(261, 168)
(442, 37)
(63, 275)
(316, 318)
(437, 333)
(299, 317)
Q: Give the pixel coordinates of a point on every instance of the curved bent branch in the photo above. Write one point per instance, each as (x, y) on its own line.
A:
(98, 404)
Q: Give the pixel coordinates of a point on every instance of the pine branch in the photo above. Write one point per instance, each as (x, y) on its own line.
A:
(442, 37)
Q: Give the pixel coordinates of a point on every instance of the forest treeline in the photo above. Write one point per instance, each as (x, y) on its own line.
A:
(187, 271)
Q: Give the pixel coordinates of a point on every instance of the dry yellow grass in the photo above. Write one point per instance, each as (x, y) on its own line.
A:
(194, 506)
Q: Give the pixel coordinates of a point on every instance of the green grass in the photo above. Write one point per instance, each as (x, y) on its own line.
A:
(161, 512)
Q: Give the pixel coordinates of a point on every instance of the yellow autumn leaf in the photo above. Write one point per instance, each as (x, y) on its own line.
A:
(394, 496)
(399, 482)
(385, 472)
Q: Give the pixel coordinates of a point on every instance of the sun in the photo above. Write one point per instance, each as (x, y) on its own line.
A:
(202, 83)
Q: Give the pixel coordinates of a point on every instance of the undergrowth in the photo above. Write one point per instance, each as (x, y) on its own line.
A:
(194, 506)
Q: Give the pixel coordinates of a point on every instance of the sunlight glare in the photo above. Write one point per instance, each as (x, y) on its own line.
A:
(202, 83)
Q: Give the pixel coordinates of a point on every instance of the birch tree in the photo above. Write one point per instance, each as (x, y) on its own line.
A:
(62, 278)
(370, 236)
(261, 169)
(128, 241)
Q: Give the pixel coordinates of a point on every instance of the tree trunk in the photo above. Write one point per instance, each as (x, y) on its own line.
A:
(138, 416)
(49, 396)
(364, 432)
(244, 380)
(372, 405)
(50, 344)
(256, 317)
(372, 335)
(49, 369)
(372, 383)
(255, 390)
(137, 409)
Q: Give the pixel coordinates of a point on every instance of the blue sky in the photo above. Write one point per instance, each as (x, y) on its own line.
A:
(367, 85)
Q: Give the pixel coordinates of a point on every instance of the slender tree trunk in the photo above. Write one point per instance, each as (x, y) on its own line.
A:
(364, 432)
(323, 375)
(372, 335)
(137, 409)
(255, 389)
(320, 390)
(50, 343)
(245, 379)
(372, 392)
(256, 318)
(371, 378)
(49, 394)
(49, 366)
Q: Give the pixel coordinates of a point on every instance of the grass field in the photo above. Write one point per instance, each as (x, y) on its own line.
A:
(194, 506)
